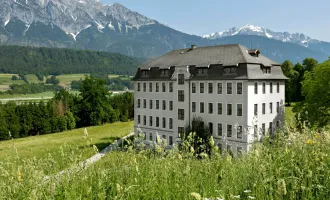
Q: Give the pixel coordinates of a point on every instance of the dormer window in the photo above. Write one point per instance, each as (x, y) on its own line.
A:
(164, 72)
(254, 52)
(145, 72)
(229, 70)
(266, 70)
(202, 71)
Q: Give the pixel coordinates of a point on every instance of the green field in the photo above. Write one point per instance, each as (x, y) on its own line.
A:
(40, 146)
(32, 78)
(5, 80)
(65, 80)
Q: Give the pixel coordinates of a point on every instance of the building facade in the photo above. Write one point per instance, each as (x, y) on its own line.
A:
(237, 92)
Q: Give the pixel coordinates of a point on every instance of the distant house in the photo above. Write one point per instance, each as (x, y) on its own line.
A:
(238, 92)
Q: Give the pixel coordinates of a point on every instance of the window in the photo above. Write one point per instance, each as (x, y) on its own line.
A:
(144, 87)
(164, 72)
(270, 127)
(210, 88)
(180, 130)
(144, 103)
(211, 128)
(164, 122)
(144, 135)
(181, 114)
(229, 109)
(150, 104)
(271, 87)
(157, 121)
(263, 88)
(263, 126)
(163, 87)
(150, 136)
(263, 108)
(144, 120)
(219, 108)
(157, 104)
(229, 88)
(139, 103)
(266, 70)
(239, 88)
(180, 95)
(220, 147)
(171, 105)
(239, 150)
(229, 149)
(170, 140)
(229, 70)
(138, 87)
(202, 71)
(278, 87)
(139, 119)
(219, 88)
(164, 137)
(193, 106)
(277, 124)
(201, 107)
(170, 125)
(193, 87)
(229, 130)
(157, 87)
(277, 107)
(271, 107)
(201, 88)
(239, 132)
(150, 89)
(255, 130)
(255, 88)
(164, 105)
(171, 86)
(150, 120)
(181, 79)
(145, 72)
(255, 109)
(219, 129)
(239, 110)
(210, 108)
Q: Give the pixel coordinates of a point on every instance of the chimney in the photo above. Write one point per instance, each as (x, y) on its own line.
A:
(193, 47)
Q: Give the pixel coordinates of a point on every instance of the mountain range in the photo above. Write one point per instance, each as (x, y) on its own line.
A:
(89, 24)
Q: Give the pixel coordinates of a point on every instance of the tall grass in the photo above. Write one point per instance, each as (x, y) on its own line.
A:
(291, 166)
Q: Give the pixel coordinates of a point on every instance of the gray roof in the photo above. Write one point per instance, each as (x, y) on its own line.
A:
(226, 55)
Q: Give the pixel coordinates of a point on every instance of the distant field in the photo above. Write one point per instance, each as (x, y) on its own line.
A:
(29, 97)
(5, 80)
(289, 114)
(40, 146)
(66, 79)
(32, 78)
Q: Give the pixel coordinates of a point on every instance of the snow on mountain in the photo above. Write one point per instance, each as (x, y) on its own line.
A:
(249, 29)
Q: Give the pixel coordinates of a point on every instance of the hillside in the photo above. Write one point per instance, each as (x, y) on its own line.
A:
(32, 60)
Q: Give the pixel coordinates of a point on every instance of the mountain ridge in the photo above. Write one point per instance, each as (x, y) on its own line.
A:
(89, 24)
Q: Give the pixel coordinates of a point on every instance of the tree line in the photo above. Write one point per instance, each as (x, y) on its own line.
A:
(93, 106)
(309, 86)
(55, 61)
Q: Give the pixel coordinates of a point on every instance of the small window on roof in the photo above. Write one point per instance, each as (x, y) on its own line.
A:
(145, 72)
(202, 71)
(164, 72)
(229, 70)
(266, 70)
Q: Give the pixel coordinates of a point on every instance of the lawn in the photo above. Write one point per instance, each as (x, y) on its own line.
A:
(40, 146)
(289, 114)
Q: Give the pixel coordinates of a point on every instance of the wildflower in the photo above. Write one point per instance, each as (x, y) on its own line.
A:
(237, 197)
(211, 141)
(247, 191)
(251, 197)
(315, 135)
(19, 176)
(196, 195)
(192, 150)
(281, 186)
(85, 132)
(309, 141)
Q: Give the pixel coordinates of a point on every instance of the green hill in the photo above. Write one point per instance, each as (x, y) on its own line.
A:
(33, 60)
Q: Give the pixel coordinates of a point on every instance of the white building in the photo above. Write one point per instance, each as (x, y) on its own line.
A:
(238, 92)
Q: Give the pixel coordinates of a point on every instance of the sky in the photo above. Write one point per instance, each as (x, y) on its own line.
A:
(201, 17)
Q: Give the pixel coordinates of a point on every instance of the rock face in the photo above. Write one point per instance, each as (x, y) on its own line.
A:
(89, 24)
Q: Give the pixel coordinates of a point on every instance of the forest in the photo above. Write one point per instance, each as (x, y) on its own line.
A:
(93, 106)
(54, 61)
